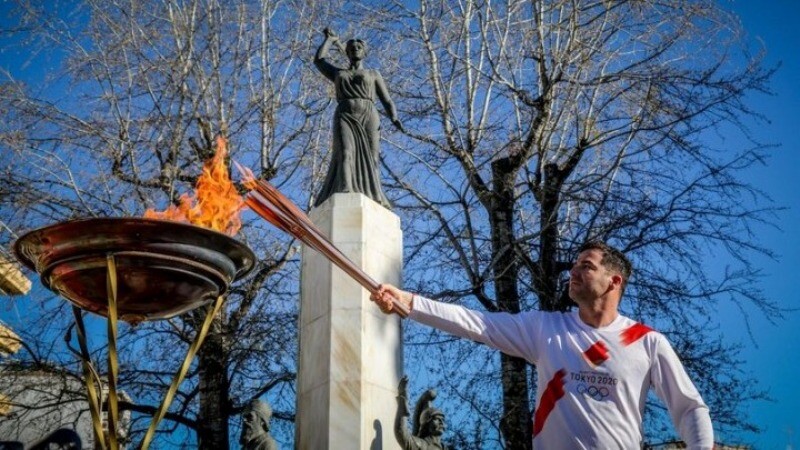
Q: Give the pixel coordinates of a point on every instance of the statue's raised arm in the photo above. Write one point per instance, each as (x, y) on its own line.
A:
(321, 59)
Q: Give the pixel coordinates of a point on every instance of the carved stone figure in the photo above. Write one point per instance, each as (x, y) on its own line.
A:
(255, 427)
(429, 422)
(356, 123)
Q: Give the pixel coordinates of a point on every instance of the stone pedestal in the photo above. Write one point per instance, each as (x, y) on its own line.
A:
(351, 358)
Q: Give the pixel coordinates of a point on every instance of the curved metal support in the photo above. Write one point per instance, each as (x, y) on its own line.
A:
(173, 388)
(113, 364)
(90, 378)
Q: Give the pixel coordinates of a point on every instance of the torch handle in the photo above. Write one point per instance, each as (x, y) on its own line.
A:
(369, 284)
(269, 204)
(330, 251)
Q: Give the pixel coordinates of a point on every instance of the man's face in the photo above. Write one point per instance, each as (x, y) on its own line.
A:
(588, 278)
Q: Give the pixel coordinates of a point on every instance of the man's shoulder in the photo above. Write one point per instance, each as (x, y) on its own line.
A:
(556, 320)
(538, 314)
(633, 331)
(553, 313)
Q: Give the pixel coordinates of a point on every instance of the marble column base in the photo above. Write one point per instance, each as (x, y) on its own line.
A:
(351, 357)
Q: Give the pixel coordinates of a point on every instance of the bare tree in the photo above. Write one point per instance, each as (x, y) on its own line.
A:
(143, 91)
(536, 126)
(533, 126)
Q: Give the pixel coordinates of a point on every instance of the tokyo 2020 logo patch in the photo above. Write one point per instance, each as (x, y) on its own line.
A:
(595, 392)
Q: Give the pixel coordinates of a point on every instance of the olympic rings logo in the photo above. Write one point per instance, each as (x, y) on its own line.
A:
(597, 393)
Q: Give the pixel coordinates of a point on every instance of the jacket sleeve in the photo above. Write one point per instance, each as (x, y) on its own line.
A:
(512, 334)
(689, 413)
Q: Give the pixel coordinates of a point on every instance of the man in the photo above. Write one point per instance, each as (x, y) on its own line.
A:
(595, 366)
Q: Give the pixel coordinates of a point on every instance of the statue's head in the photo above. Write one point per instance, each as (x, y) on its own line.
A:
(356, 50)
(431, 423)
(255, 420)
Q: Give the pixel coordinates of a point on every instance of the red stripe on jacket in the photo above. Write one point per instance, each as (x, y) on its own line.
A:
(634, 333)
(552, 393)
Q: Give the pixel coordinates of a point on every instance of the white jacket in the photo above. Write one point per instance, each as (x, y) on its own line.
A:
(593, 382)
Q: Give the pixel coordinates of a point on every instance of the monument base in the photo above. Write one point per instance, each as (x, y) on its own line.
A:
(351, 359)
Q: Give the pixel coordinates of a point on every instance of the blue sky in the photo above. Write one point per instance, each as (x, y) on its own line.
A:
(771, 357)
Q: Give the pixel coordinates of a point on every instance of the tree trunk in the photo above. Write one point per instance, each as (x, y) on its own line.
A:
(515, 424)
(550, 267)
(212, 417)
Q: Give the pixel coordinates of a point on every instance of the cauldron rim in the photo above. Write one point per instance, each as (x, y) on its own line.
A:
(44, 248)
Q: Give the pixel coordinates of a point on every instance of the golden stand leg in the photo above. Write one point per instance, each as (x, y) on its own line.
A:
(113, 365)
(173, 388)
(90, 375)
(92, 379)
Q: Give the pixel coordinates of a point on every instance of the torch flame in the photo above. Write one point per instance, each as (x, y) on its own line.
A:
(215, 203)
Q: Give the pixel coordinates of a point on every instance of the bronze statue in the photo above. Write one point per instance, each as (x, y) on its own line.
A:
(429, 423)
(356, 123)
(255, 427)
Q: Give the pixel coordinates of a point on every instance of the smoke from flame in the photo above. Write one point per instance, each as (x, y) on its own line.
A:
(215, 203)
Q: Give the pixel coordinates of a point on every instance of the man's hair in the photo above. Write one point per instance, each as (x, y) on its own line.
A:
(612, 259)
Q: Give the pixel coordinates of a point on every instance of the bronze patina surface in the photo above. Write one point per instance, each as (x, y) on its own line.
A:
(163, 268)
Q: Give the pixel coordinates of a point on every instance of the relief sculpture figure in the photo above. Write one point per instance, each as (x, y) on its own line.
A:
(355, 153)
(429, 423)
(255, 427)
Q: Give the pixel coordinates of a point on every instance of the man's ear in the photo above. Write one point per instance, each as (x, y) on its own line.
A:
(616, 281)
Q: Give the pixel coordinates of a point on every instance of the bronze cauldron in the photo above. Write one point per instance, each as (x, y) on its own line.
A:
(163, 268)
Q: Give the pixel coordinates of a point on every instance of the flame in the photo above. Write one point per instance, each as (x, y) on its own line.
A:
(215, 203)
